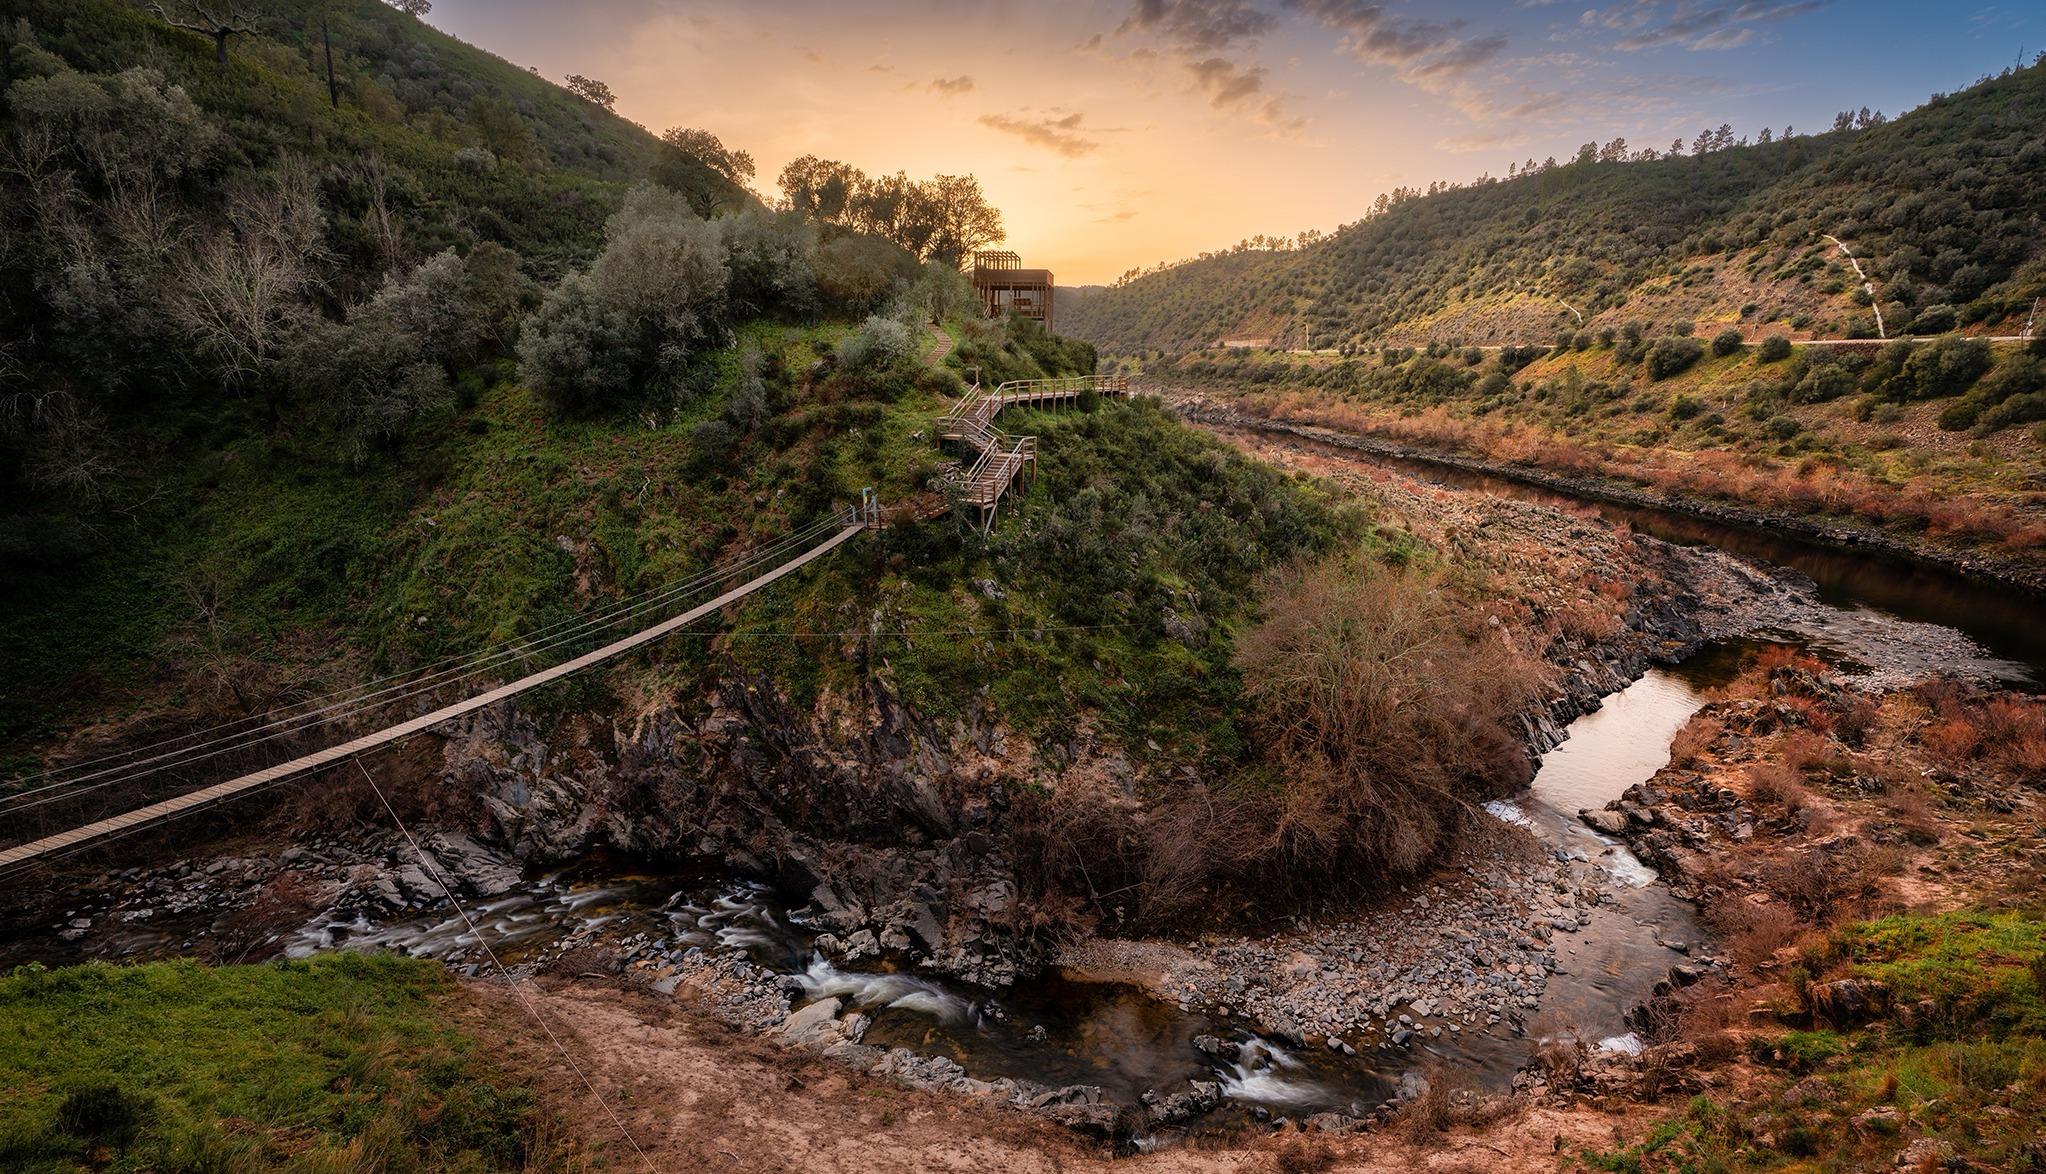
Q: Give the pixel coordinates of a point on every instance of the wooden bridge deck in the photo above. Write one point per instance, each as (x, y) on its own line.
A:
(28, 853)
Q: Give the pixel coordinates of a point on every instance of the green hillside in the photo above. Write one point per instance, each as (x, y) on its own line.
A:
(1940, 203)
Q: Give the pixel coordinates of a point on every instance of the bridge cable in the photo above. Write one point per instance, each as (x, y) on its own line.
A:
(341, 711)
(433, 866)
(537, 640)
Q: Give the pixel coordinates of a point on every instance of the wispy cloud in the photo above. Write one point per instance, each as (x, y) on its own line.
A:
(1060, 134)
(1655, 24)
(1226, 83)
(1200, 25)
(949, 86)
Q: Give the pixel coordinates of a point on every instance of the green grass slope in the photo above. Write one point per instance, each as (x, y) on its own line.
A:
(1938, 201)
(346, 1061)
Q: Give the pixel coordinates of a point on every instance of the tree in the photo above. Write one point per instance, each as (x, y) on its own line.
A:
(242, 291)
(819, 189)
(575, 351)
(966, 221)
(591, 90)
(705, 148)
(219, 19)
(412, 8)
(662, 264)
(502, 129)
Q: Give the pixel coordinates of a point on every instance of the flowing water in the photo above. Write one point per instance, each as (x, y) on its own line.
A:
(1055, 1031)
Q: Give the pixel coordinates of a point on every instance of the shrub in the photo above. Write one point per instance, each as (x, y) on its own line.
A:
(1728, 342)
(1945, 366)
(1672, 356)
(1782, 427)
(1386, 711)
(577, 352)
(859, 272)
(1686, 407)
(1774, 349)
(1937, 319)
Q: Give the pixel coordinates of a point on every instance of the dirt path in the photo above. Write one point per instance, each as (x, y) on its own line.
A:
(701, 1098)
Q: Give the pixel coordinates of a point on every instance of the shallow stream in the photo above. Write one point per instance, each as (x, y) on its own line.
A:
(1057, 1031)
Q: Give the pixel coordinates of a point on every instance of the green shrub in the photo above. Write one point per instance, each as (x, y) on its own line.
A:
(1673, 356)
(1727, 342)
(1774, 349)
(1945, 366)
(1781, 428)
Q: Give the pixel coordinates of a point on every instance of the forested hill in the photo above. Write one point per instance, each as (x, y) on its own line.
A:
(1943, 205)
(458, 143)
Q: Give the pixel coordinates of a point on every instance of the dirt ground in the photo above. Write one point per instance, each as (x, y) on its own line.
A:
(698, 1097)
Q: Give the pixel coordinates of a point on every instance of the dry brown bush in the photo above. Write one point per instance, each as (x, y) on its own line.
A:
(1754, 933)
(1450, 1099)
(1694, 741)
(1857, 719)
(1915, 816)
(1386, 708)
(2014, 732)
(1775, 783)
(1823, 883)
(1801, 750)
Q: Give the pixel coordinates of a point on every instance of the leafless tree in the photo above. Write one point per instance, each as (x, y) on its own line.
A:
(242, 290)
(219, 19)
(381, 223)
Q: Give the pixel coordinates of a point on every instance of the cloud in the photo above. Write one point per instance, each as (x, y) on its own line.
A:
(1375, 36)
(1653, 24)
(1200, 25)
(1117, 217)
(1459, 61)
(1060, 134)
(1226, 83)
(949, 86)
(1432, 56)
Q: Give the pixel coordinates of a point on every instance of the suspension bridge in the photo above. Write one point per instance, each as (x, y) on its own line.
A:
(457, 686)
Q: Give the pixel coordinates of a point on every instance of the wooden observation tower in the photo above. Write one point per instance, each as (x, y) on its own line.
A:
(1004, 285)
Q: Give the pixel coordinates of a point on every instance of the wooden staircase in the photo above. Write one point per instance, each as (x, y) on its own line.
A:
(1000, 460)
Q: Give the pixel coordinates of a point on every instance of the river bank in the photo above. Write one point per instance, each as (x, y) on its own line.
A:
(1974, 564)
(1537, 931)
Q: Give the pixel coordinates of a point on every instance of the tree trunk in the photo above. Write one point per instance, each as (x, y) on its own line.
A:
(333, 91)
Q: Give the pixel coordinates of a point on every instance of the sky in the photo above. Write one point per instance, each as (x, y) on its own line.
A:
(1116, 134)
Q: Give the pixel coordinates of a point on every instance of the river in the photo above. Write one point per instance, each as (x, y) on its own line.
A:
(1058, 1029)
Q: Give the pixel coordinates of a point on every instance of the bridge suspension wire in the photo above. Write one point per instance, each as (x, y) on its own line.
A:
(511, 982)
(539, 640)
(348, 707)
(848, 526)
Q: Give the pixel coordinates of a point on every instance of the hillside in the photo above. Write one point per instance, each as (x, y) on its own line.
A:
(359, 401)
(1941, 204)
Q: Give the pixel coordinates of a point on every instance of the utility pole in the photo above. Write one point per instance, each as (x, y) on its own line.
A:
(327, 42)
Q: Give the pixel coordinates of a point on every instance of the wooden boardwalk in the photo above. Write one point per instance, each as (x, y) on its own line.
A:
(64, 842)
(1002, 459)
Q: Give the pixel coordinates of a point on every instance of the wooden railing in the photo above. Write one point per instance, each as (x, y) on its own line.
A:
(1001, 458)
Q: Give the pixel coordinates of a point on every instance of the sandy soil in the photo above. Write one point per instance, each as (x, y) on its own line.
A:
(698, 1097)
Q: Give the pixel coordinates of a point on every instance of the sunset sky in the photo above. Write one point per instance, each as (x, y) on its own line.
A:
(1119, 134)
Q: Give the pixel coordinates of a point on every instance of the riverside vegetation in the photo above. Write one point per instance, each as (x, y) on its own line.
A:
(1586, 319)
(310, 384)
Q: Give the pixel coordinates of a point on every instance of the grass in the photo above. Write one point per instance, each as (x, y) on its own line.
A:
(1981, 969)
(1961, 1057)
(344, 1062)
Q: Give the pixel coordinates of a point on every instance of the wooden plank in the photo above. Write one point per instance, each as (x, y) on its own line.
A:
(25, 853)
